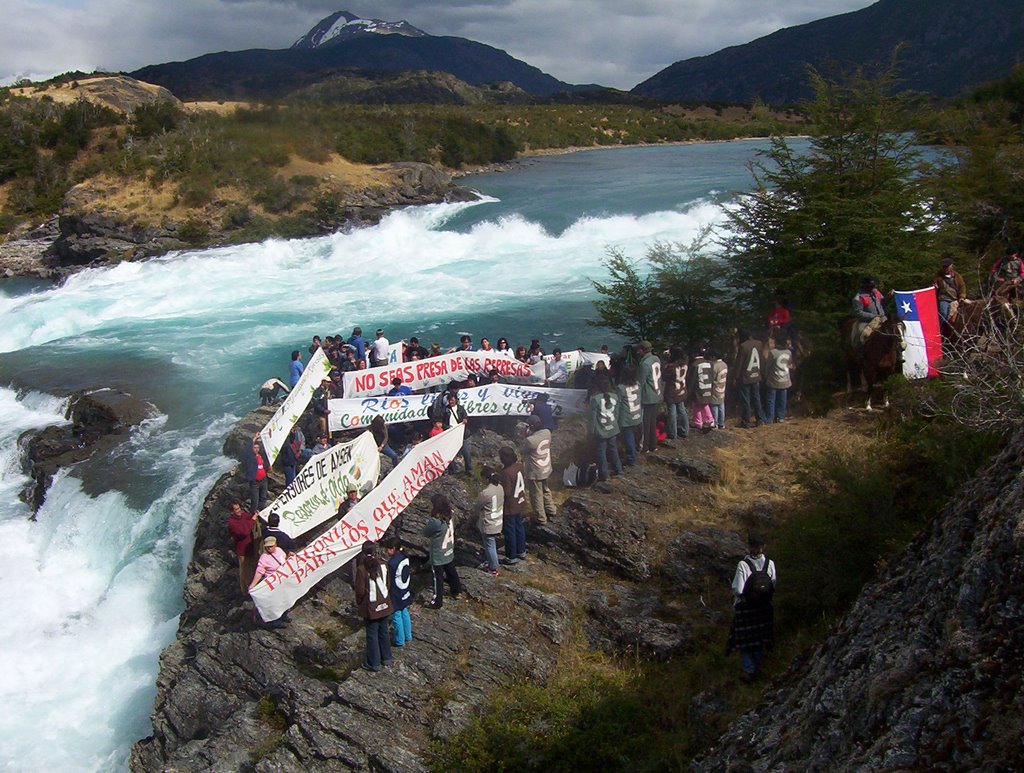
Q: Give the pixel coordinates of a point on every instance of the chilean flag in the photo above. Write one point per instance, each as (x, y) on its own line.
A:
(920, 314)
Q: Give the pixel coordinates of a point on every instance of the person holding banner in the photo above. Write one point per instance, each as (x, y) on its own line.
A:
(455, 414)
(440, 527)
(373, 596)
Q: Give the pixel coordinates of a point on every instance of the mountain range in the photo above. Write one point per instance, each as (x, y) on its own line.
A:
(335, 46)
(947, 47)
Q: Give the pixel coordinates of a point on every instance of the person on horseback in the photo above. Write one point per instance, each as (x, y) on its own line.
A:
(1007, 275)
(950, 291)
(868, 312)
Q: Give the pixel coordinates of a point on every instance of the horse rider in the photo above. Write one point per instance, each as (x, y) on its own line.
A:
(950, 291)
(1007, 275)
(868, 312)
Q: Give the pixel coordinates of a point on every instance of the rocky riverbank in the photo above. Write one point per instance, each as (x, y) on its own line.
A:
(617, 567)
(94, 227)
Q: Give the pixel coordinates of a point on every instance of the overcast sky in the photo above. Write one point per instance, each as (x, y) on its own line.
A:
(612, 42)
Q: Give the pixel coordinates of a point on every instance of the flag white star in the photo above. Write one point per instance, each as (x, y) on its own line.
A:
(906, 307)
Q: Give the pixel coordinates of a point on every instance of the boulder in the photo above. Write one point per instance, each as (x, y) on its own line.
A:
(97, 421)
(601, 533)
(623, 620)
(702, 556)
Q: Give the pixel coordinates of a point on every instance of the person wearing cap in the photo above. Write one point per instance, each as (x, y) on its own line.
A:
(868, 311)
(322, 443)
(950, 291)
(373, 597)
(379, 350)
(649, 376)
(753, 625)
(350, 501)
(272, 559)
(536, 448)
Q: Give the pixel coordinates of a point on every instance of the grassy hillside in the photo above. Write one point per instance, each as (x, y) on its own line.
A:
(283, 160)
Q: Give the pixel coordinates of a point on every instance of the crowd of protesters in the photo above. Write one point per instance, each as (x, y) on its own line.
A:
(636, 402)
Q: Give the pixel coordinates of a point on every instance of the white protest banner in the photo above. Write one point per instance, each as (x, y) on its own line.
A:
(368, 520)
(395, 353)
(281, 423)
(489, 400)
(576, 359)
(322, 483)
(421, 374)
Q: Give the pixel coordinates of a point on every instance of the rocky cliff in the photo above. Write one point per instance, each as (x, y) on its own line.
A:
(925, 671)
(612, 567)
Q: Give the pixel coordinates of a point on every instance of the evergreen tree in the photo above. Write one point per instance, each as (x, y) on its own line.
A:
(851, 205)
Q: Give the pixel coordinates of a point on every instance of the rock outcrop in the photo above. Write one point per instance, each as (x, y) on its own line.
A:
(925, 671)
(98, 421)
(236, 695)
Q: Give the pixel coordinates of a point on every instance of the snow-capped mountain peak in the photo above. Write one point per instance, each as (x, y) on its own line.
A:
(345, 26)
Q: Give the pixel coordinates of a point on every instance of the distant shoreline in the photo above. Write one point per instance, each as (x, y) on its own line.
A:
(528, 155)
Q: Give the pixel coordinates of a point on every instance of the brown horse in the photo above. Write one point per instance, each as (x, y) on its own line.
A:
(876, 360)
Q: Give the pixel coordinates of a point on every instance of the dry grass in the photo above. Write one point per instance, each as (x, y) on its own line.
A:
(339, 172)
(220, 108)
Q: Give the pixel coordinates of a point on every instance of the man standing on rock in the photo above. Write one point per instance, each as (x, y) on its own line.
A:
(240, 527)
(537, 450)
(649, 375)
(379, 350)
(257, 466)
(753, 624)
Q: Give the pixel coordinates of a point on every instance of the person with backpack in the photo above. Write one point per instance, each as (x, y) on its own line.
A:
(748, 374)
(753, 623)
(373, 597)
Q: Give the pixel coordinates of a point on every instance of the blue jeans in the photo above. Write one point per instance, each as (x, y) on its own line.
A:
(678, 420)
(775, 410)
(515, 536)
(718, 414)
(389, 452)
(467, 458)
(752, 660)
(289, 474)
(491, 549)
(750, 401)
(403, 627)
(944, 310)
(608, 448)
(378, 646)
(628, 435)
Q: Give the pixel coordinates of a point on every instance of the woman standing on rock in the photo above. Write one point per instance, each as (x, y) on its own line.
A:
(489, 517)
(440, 528)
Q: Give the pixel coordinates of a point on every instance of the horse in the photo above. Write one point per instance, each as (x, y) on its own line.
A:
(877, 359)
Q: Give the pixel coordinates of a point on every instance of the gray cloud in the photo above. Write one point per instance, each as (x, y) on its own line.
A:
(579, 41)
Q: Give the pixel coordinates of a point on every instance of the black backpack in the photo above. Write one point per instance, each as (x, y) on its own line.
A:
(759, 588)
